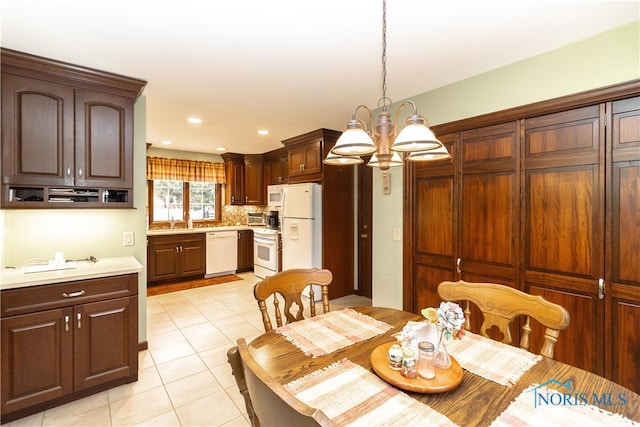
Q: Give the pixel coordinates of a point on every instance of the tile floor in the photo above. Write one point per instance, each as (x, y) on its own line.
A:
(184, 377)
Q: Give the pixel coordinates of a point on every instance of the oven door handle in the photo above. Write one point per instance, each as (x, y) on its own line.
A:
(270, 242)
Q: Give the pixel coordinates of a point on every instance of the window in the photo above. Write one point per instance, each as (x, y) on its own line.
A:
(181, 201)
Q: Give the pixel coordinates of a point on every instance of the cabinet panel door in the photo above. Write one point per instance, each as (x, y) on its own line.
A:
(254, 188)
(623, 250)
(164, 261)
(104, 140)
(193, 256)
(104, 335)
(37, 132)
(563, 240)
(37, 358)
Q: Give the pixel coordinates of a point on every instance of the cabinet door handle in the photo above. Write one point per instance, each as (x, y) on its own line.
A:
(181, 249)
(73, 294)
(79, 320)
(68, 170)
(80, 172)
(177, 249)
(246, 199)
(66, 323)
(601, 288)
(459, 265)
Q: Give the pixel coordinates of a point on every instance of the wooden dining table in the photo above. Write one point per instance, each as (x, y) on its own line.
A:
(475, 402)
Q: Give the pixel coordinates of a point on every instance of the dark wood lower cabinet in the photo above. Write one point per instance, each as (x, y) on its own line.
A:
(245, 250)
(56, 348)
(171, 257)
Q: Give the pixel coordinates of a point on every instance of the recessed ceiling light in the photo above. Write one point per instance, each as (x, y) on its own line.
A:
(194, 120)
(263, 132)
(166, 142)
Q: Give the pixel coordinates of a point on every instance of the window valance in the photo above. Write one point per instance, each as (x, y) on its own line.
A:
(185, 170)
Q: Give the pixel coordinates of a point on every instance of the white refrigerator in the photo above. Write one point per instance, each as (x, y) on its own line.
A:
(302, 228)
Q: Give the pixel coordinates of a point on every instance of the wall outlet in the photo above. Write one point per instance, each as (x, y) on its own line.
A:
(128, 238)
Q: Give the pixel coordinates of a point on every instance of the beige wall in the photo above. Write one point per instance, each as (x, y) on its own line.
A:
(606, 59)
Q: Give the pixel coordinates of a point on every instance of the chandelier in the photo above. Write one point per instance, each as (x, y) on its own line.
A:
(385, 142)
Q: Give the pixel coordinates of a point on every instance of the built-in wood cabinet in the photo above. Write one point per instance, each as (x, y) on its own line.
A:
(64, 341)
(245, 250)
(545, 200)
(305, 154)
(67, 135)
(175, 256)
(244, 174)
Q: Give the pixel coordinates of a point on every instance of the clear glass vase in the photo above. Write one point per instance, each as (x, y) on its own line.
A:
(442, 359)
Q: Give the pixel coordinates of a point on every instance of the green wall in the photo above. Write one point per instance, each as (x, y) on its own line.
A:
(608, 58)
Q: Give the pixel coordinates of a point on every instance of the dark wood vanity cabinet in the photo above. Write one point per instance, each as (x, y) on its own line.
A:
(67, 134)
(64, 341)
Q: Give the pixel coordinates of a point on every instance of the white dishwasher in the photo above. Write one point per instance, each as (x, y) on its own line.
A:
(222, 253)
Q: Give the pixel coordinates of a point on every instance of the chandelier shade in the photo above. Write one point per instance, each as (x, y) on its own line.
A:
(439, 153)
(415, 136)
(354, 141)
(336, 159)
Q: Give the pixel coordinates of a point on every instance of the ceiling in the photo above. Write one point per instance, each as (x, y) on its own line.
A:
(291, 66)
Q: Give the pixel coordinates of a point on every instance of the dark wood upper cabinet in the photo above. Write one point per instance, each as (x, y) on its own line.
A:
(67, 134)
(544, 198)
(245, 179)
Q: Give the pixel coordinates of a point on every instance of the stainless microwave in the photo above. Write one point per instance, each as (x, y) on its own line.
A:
(274, 196)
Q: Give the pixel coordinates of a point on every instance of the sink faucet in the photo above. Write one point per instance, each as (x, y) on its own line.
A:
(173, 223)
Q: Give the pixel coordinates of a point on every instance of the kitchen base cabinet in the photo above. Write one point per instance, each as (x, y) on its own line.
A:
(64, 341)
(176, 256)
(245, 250)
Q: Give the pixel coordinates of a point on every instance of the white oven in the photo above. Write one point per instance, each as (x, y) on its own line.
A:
(266, 244)
(274, 196)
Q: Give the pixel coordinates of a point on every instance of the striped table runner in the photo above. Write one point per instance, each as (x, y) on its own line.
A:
(328, 332)
(490, 359)
(352, 396)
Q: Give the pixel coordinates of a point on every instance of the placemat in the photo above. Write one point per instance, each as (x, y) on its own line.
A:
(525, 412)
(350, 395)
(490, 359)
(328, 332)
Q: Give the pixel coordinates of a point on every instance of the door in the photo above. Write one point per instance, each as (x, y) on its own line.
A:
(622, 277)
(37, 132)
(299, 201)
(164, 261)
(104, 140)
(299, 244)
(37, 355)
(563, 241)
(365, 223)
(432, 235)
(104, 335)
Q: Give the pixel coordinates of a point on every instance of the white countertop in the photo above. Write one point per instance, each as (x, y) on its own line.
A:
(200, 230)
(17, 278)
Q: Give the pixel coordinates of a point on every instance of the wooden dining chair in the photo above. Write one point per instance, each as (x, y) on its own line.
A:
(272, 403)
(233, 357)
(289, 285)
(501, 304)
